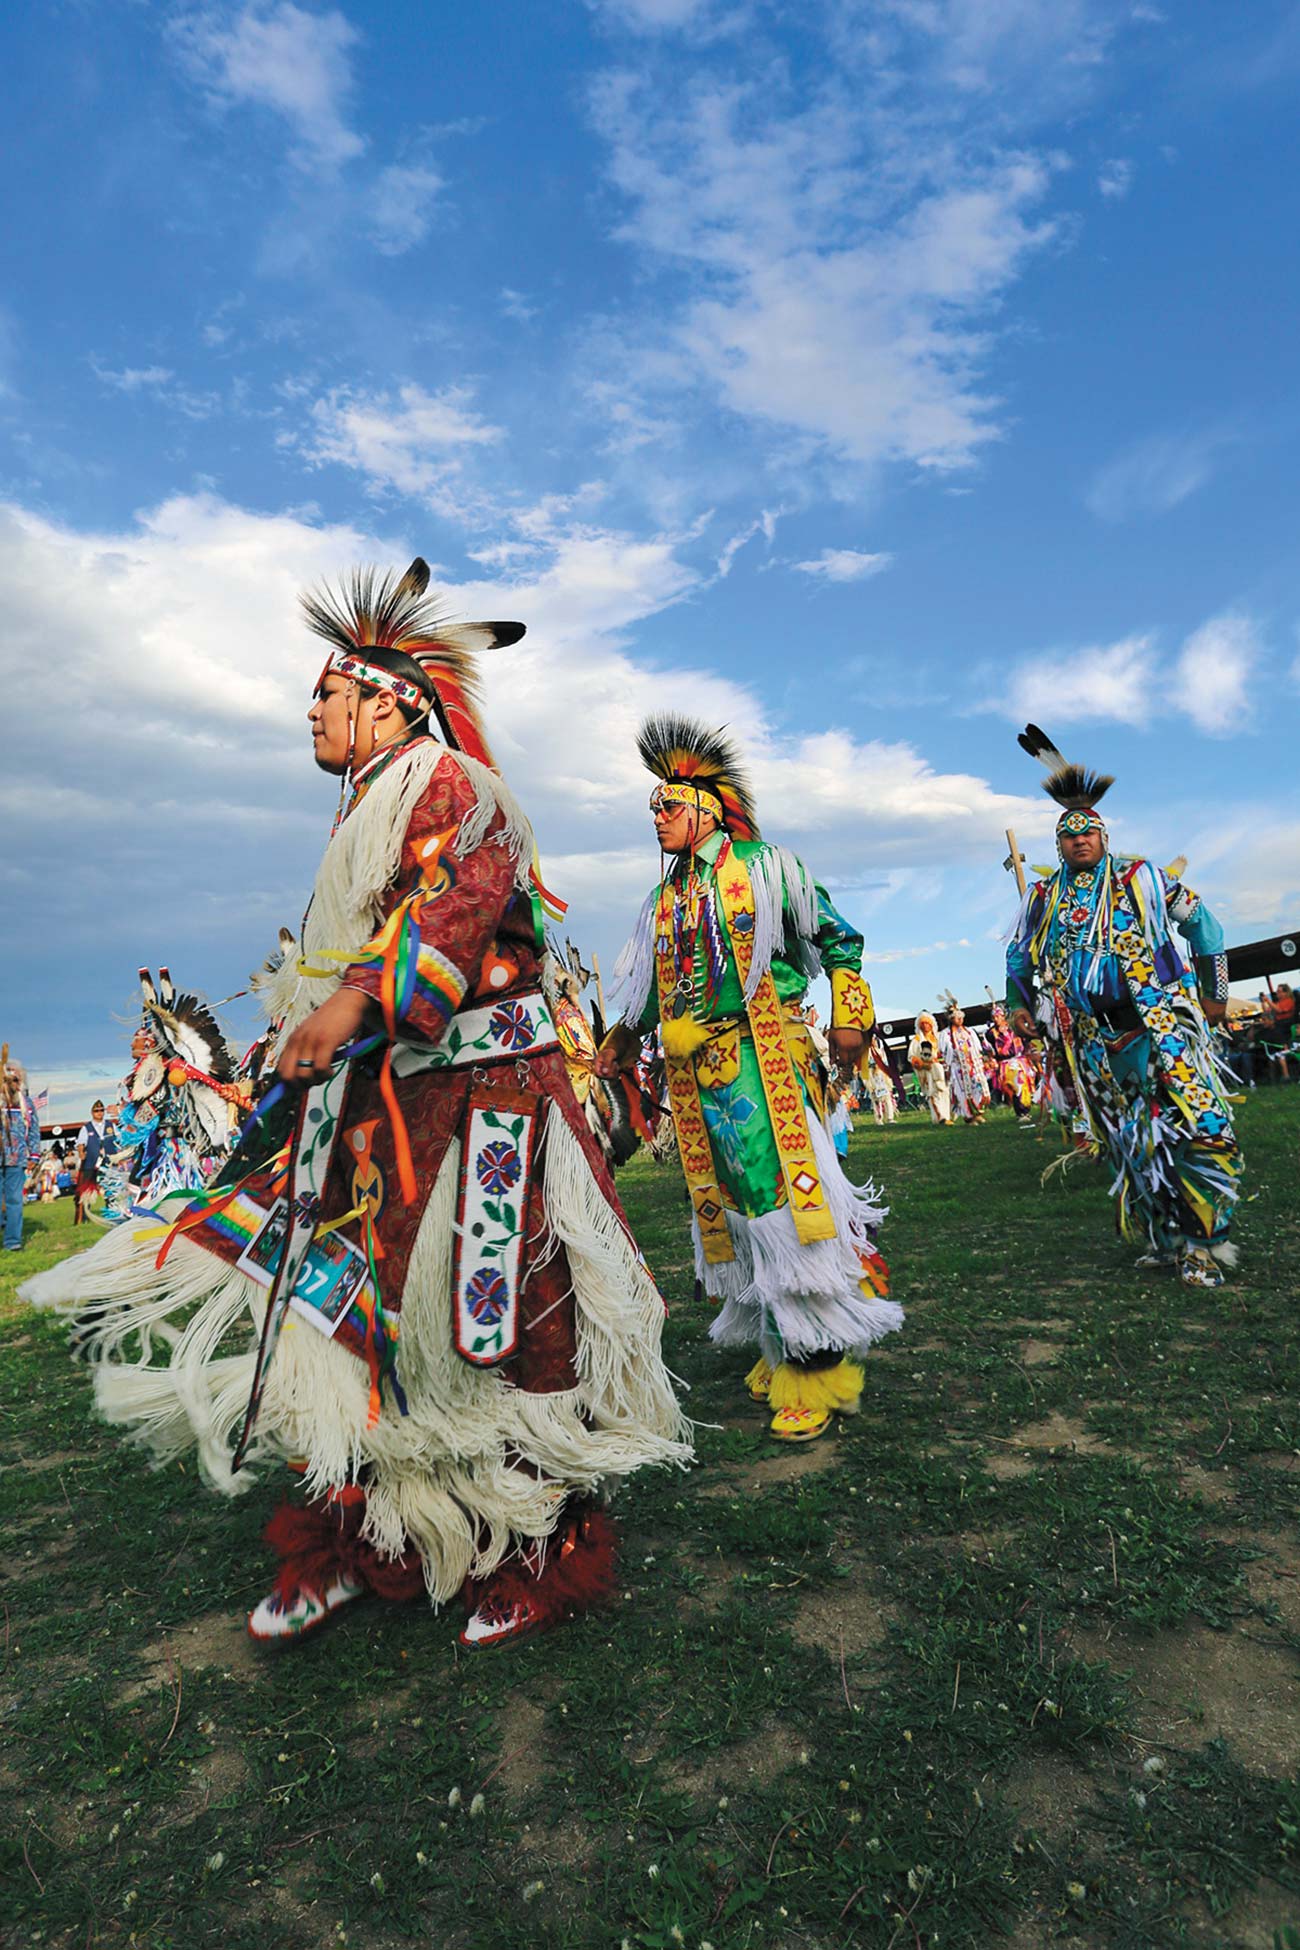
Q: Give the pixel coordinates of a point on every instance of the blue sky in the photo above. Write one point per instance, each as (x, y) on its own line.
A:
(870, 376)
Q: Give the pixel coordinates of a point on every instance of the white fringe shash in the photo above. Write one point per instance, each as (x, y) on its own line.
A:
(476, 1462)
(790, 1300)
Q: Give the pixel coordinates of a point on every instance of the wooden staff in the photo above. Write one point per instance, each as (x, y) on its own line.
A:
(600, 989)
(1015, 860)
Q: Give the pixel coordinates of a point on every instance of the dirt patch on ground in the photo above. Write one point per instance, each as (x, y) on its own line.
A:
(1055, 1434)
(1038, 1354)
(522, 1766)
(758, 1759)
(1050, 1794)
(1274, 1582)
(1257, 1918)
(847, 1617)
(223, 1772)
(1211, 1485)
(1062, 1432)
(57, 1459)
(217, 1640)
(786, 1465)
(1195, 1685)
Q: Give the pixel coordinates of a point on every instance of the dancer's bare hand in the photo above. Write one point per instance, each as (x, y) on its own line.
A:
(311, 1051)
(1023, 1023)
(846, 1047)
(1215, 1011)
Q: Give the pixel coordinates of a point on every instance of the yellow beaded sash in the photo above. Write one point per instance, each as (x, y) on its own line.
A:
(785, 1104)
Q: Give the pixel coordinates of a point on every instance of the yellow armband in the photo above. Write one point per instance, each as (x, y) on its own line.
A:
(851, 1004)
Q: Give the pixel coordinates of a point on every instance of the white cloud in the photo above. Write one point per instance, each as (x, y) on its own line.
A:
(765, 526)
(1115, 178)
(1210, 680)
(880, 957)
(831, 296)
(845, 564)
(180, 637)
(1214, 671)
(283, 58)
(161, 383)
(402, 202)
(412, 442)
(1154, 475)
(515, 305)
(657, 16)
(1017, 60)
(1112, 680)
(134, 379)
(1246, 862)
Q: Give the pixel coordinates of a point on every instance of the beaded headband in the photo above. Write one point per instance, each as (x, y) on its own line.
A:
(352, 665)
(674, 793)
(1080, 819)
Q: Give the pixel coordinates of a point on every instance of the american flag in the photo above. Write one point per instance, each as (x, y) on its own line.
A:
(41, 1101)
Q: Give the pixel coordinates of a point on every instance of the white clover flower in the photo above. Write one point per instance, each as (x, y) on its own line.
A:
(653, 1872)
(532, 1890)
(1075, 1891)
(453, 1799)
(215, 1863)
(477, 1805)
(1154, 1765)
(377, 1883)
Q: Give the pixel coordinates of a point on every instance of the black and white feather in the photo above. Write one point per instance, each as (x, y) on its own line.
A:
(1074, 787)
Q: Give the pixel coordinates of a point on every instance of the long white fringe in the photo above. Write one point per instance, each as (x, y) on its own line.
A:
(792, 1299)
(634, 971)
(476, 1462)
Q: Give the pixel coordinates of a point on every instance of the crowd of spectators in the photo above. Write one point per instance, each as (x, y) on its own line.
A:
(1263, 1047)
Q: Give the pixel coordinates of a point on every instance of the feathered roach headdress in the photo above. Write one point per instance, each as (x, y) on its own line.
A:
(1075, 789)
(683, 752)
(428, 661)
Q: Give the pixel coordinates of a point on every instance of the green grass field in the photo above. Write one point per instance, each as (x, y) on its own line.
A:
(1014, 1656)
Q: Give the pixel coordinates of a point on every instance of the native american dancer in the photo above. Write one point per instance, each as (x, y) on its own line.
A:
(1091, 956)
(722, 955)
(963, 1060)
(179, 1104)
(1012, 1070)
(926, 1059)
(883, 1081)
(413, 1276)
